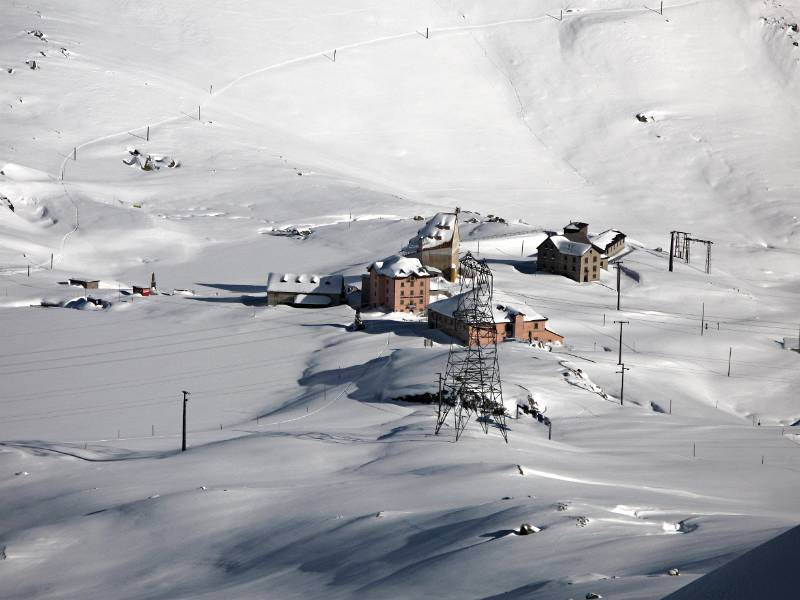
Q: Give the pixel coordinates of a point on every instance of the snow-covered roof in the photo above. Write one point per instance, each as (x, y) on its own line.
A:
(401, 266)
(303, 283)
(605, 239)
(569, 247)
(438, 231)
(575, 226)
(503, 308)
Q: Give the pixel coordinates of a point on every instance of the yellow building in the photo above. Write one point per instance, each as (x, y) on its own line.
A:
(437, 244)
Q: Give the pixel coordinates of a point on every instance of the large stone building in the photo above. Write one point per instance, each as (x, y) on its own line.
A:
(397, 284)
(608, 243)
(304, 289)
(577, 260)
(437, 244)
(513, 320)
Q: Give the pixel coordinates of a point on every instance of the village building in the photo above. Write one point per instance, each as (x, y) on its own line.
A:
(88, 284)
(436, 245)
(397, 284)
(304, 289)
(577, 260)
(513, 320)
(609, 243)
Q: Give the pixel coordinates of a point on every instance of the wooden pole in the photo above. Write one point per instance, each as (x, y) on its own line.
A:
(148, 133)
(75, 153)
(671, 248)
(198, 112)
(702, 317)
(183, 439)
(730, 353)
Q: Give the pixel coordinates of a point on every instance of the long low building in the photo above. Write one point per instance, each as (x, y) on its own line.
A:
(513, 320)
(302, 289)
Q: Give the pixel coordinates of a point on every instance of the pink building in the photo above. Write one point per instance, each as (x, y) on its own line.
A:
(398, 284)
(513, 320)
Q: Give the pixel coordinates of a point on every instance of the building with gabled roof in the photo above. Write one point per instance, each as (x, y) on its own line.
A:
(580, 261)
(397, 284)
(609, 243)
(437, 244)
(513, 320)
(304, 289)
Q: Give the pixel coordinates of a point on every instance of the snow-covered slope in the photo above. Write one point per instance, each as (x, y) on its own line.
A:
(305, 477)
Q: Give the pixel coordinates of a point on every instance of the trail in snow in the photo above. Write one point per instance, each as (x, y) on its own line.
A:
(630, 486)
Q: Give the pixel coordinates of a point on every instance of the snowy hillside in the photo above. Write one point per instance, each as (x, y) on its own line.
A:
(211, 145)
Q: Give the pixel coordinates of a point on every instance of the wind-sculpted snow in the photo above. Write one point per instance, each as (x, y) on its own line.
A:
(313, 138)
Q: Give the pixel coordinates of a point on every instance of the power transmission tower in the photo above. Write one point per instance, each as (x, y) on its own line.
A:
(472, 378)
(678, 246)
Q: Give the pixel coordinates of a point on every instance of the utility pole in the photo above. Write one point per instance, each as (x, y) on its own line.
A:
(621, 371)
(198, 112)
(147, 139)
(619, 276)
(730, 353)
(671, 249)
(702, 318)
(185, 400)
(522, 252)
(621, 323)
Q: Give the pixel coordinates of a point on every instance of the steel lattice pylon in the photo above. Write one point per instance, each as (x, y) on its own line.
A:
(472, 380)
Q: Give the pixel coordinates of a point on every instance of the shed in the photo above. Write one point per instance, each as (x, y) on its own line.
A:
(304, 289)
(144, 291)
(89, 284)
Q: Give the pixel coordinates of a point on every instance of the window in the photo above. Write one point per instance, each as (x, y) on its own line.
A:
(402, 284)
(402, 302)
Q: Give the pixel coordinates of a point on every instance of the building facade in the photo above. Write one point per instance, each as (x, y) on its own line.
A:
(436, 244)
(576, 260)
(512, 321)
(397, 284)
(609, 243)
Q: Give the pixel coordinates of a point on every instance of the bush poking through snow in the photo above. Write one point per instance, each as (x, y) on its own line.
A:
(562, 506)
(581, 521)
